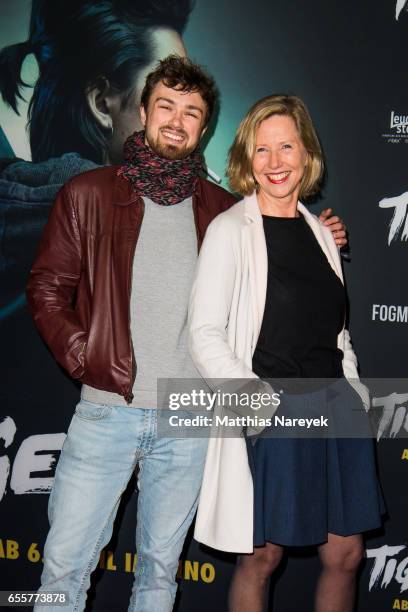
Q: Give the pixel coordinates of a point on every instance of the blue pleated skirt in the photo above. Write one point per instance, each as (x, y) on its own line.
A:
(305, 488)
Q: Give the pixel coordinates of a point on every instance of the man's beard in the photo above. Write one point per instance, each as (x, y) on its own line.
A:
(166, 150)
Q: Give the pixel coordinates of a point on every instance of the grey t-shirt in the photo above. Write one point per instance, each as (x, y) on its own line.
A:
(163, 269)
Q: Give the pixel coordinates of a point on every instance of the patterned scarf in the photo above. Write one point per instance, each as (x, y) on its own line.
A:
(165, 181)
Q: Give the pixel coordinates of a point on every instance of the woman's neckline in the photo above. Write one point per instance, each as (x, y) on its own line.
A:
(300, 216)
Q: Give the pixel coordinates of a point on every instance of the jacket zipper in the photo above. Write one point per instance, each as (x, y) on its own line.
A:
(129, 395)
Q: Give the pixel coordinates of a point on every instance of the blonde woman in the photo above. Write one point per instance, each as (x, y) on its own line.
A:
(269, 302)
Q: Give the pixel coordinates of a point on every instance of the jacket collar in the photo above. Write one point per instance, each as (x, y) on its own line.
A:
(253, 214)
(324, 237)
(123, 192)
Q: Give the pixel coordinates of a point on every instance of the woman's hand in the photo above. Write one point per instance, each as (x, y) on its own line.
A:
(336, 226)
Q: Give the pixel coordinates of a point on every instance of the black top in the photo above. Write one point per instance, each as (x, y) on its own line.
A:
(304, 309)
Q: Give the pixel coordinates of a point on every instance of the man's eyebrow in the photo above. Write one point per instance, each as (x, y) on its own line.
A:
(197, 108)
(189, 106)
(164, 100)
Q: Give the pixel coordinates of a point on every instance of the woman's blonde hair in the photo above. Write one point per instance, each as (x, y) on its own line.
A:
(239, 170)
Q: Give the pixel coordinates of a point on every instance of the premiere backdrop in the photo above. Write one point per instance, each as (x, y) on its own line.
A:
(348, 61)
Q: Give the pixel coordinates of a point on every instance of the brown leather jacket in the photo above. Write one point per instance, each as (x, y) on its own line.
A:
(80, 283)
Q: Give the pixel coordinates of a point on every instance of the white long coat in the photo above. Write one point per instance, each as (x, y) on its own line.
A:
(225, 316)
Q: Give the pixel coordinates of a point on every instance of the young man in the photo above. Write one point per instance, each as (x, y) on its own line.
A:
(111, 282)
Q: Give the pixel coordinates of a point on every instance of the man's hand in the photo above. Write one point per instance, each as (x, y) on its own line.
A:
(336, 225)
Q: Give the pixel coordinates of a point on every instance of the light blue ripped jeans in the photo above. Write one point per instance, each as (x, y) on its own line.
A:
(102, 448)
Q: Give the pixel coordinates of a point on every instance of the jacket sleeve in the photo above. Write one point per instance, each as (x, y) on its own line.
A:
(350, 365)
(52, 285)
(349, 358)
(211, 298)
